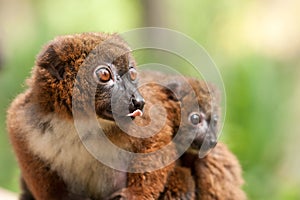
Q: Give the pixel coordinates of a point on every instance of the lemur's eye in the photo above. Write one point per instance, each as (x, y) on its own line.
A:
(102, 74)
(195, 119)
(132, 74)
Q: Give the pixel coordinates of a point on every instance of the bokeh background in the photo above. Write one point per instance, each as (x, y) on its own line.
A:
(255, 44)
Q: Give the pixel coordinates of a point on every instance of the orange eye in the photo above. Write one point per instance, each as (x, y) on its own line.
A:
(132, 74)
(102, 74)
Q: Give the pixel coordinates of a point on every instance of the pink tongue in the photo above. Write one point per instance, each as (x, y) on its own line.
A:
(136, 113)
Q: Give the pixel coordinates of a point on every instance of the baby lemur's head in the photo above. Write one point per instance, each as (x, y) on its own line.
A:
(100, 67)
(200, 112)
(194, 106)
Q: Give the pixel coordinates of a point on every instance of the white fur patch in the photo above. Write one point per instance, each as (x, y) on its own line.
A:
(61, 147)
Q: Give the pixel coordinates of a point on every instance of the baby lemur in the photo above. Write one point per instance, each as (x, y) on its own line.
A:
(218, 175)
(204, 124)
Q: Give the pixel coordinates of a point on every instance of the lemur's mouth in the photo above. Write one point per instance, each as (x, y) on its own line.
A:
(203, 147)
(109, 115)
(197, 143)
(136, 113)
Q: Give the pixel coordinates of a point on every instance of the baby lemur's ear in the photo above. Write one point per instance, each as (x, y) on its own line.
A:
(176, 90)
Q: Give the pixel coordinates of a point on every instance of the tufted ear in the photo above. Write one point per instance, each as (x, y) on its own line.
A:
(176, 90)
(50, 60)
(172, 90)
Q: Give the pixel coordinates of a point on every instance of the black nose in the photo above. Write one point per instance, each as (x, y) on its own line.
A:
(138, 102)
(214, 120)
(213, 143)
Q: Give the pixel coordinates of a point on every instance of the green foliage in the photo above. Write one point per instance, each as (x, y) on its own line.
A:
(252, 127)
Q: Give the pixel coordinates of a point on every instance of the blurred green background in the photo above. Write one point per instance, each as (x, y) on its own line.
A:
(255, 44)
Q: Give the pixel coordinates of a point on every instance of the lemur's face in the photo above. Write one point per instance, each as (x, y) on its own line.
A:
(199, 115)
(117, 94)
(202, 120)
(87, 74)
(111, 70)
(204, 125)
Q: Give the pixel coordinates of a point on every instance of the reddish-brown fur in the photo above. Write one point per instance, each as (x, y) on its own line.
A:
(218, 176)
(149, 185)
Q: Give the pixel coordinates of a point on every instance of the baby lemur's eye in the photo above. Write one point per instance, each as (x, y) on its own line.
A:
(132, 74)
(195, 118)
(102, 74)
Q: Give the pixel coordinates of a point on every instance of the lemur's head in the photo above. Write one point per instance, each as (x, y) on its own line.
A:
(93, 69)
(200, 112)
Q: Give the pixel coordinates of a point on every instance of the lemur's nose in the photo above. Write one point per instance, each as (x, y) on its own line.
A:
(138, 102)
(213, 143)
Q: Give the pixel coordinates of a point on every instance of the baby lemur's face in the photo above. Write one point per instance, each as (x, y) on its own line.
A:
(199, 114)
(91, 72)
(196, 111)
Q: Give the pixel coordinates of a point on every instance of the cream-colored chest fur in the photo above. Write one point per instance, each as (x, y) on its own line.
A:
(59, 145)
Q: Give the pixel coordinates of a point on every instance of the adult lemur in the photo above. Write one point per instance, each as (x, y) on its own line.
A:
(54, 163)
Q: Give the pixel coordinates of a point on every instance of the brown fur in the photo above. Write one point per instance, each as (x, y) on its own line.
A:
(39, 179)
(218, 176)
(180, 185)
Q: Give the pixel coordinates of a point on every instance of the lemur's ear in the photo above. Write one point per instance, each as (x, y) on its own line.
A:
(172, 90)
(50, 60)
(176, 90)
